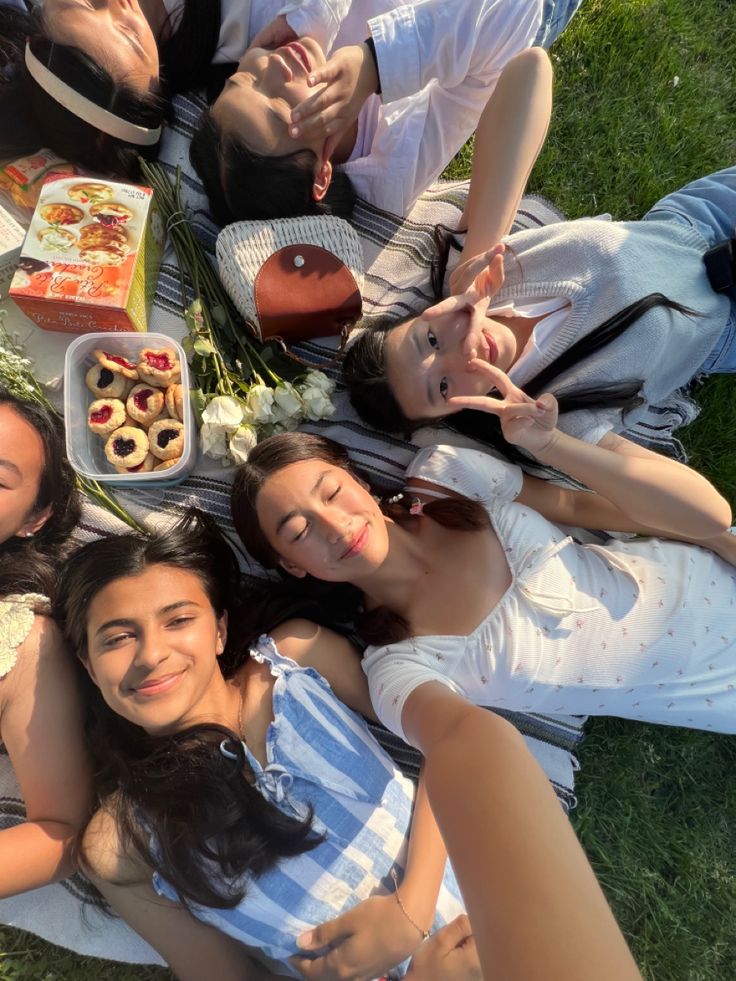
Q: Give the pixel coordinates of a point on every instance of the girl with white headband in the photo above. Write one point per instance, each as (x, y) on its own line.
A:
(94, 81)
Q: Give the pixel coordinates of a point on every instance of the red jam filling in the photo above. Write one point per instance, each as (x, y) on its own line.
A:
(101, 415)
(136, 469)
(165, 436)
(159, 360)
(116, 359)
(123, 447)
(141, 399)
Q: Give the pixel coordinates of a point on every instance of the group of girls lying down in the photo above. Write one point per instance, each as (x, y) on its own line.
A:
(227, 796)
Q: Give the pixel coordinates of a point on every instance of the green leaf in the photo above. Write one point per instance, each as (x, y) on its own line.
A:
(203, 347)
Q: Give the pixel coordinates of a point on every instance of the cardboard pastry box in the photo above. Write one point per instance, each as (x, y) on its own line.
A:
(91, 257)
(11, 238)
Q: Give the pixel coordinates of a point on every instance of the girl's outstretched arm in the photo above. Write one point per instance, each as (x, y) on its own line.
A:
(377, 934)
(536, 909)
(652, 493)
(42, 718)
(508, 140)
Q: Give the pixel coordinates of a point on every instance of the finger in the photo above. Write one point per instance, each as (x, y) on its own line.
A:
(481, 403)
(500, 380)
(490, 280)
(450, 305)
(475, 329)
(456, 933)
(330, 967)
(328, 934)
(327, 73)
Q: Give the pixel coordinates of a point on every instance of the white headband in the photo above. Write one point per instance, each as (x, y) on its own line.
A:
(87, 110)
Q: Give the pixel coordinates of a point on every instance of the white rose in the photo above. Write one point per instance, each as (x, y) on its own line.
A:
(288, 405)
(260, 403)
(317, 379)
(317, 404)
(242, 442)
(213, 440)
(223, 410)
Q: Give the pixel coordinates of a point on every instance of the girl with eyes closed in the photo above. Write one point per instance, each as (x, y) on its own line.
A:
(40, 707)
(303, 130)
(93, 79)
(469, 583)
(241, 801)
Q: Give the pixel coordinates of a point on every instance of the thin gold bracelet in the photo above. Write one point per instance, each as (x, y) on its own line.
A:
(426, 934)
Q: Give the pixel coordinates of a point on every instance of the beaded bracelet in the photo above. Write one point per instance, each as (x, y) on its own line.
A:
(425, 933)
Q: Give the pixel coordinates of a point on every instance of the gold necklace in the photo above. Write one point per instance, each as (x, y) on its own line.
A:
(241, 725)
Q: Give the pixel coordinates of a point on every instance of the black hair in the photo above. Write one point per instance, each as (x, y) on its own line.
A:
(244, 185)
(27, 565)
(364, 372)
(377, 626)
(212, 828)
(31, 118)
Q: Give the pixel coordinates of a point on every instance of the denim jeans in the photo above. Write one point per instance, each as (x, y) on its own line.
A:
(556, 15)
(709, 206)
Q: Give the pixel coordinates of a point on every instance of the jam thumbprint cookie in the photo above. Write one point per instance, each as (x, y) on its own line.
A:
(144, 404)
(166, 438)
(175, 401)
(126, 447)
(149, 463)
(167, 464)
(158, 367)
(116, 363)
(104, 383)
(105, 416)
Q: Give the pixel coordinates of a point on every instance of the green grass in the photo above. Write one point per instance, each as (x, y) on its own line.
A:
(657, 807)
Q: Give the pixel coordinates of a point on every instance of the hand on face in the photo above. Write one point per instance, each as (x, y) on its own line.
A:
(347, 79)
(256, 104)
(525, 422)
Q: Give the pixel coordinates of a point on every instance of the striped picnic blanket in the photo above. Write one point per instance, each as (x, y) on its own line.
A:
(397, 257)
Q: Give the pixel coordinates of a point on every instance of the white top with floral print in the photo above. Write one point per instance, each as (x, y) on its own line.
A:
(642, 629)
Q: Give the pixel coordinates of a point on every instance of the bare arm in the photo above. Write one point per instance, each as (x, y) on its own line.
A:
(376, 934)
(510, 134)
(42, 730)
(535, 906)
(654, 493)
(192, 949)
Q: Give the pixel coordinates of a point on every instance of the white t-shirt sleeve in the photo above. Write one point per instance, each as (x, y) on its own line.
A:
(393, 673)
(455, 43)
(320, 19)
(475, 474)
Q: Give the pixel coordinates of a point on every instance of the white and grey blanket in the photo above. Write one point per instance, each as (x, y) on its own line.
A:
(397, 258)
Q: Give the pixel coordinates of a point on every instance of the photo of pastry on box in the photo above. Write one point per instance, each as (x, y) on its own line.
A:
(91, 257)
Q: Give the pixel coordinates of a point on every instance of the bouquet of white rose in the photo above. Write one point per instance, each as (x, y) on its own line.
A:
(247, 388)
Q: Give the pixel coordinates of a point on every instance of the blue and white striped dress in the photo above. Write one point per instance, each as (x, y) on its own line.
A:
(321, 753)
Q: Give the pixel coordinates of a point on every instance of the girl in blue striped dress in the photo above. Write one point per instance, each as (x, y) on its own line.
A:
(242, 803)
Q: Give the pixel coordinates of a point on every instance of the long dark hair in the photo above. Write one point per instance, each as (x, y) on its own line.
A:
(32, 118)
(244, 185)
(198, 803)
(364, 369)
(27, 565)
(377, 626)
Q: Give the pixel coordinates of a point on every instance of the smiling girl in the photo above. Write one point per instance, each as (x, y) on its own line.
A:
(468, 582)
(611, 317)
(303, 130)
(242, 803)
(93, 79)
(40, 708)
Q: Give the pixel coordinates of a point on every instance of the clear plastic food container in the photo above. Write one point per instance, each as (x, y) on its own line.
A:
(85, 449)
